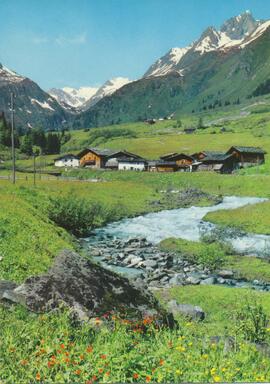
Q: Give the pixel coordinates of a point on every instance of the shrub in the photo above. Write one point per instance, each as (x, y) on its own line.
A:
(252, 321)
(76, 215)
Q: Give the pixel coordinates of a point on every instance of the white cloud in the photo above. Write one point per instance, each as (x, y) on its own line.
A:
(71, 40)
(40, 40)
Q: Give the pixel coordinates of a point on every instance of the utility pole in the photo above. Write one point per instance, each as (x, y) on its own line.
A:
(12, 138)
(34, 158)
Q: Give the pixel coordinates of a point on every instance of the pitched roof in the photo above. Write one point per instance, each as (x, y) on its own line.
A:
(218, 157)
(175, 156)
(104, 152)
(242, 149)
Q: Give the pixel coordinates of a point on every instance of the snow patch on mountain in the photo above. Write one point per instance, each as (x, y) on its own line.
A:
(43, 104)
(167, 63)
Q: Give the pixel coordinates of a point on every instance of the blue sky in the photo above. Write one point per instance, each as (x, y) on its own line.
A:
(85, 42)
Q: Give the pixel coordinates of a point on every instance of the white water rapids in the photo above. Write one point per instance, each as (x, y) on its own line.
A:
(186, 223)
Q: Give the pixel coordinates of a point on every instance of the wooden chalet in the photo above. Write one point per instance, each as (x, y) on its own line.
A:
(203, 154)
(162, 166)
(103, 158)
(247, 156)
(218, 162)
(184, 162)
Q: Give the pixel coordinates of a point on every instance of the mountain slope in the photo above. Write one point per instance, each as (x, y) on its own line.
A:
(213, 78)
(33, 106)
(232, 33)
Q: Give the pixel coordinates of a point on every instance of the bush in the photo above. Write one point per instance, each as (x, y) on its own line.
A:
(76, 215)
(252, 321)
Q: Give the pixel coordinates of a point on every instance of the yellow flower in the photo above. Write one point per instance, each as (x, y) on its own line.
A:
(178, 372)
(213, 371)
(223, 369)
(217, 379)
(190, 344)
(180, 348)
(180, 338)
(267, 329)
(189, 324)
(205, 356)
(260, 378)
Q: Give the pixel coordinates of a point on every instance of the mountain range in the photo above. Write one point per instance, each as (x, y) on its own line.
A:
(223, 66)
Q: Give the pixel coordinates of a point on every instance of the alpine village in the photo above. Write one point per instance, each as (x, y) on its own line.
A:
(134, 191)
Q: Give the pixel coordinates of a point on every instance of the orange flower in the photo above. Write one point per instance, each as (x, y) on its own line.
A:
(104, 357)
(108, 373)
(38, 377)
(161, 362)
(148, 379)
(100, 370)
(42, 341)
(62, 346)
(89, 349)
(67, 360)
(24, 362)
(53, 357)
(81, 357)
(135, 376)
(78, 372)
(67, 353)
(50, 364)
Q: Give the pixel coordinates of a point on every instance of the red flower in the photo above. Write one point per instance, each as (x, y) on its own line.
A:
(103, 357)
(148, 379)
(135, 376)
(62, 346)
(78, 372)
(89, 349)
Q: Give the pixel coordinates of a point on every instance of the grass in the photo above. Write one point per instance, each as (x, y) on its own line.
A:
(48, 348)
(216, 256)
(255, 218)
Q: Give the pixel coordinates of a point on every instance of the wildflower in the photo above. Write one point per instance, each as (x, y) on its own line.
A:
(53, 357)
(104, 357)
(78, 372)
(42, 341)
(100, 370)
(38, 377)
(81, 357)
(213, 371)
(189, 324)
(205, 356)
(135, 376)
(190, 344)
(89, 349)
(267, 329)
(12, 349)
(50, 364)
(180, 348)
(148, 379)
(223, 369)
(66, 353)
(107, 373)
(62, 346)
(178, 372)
(217, 379)
(161, 362)
(181, 338)
(24, 362)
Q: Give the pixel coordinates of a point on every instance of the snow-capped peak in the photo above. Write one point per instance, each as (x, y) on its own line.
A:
(106, 89)
(10, 76)
(167, 63)
(84, 97)
(73, 97)
(233, 33)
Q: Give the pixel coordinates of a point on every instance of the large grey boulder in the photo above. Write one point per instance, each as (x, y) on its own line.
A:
(88, 289)
(225, 274)
(188, 310)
